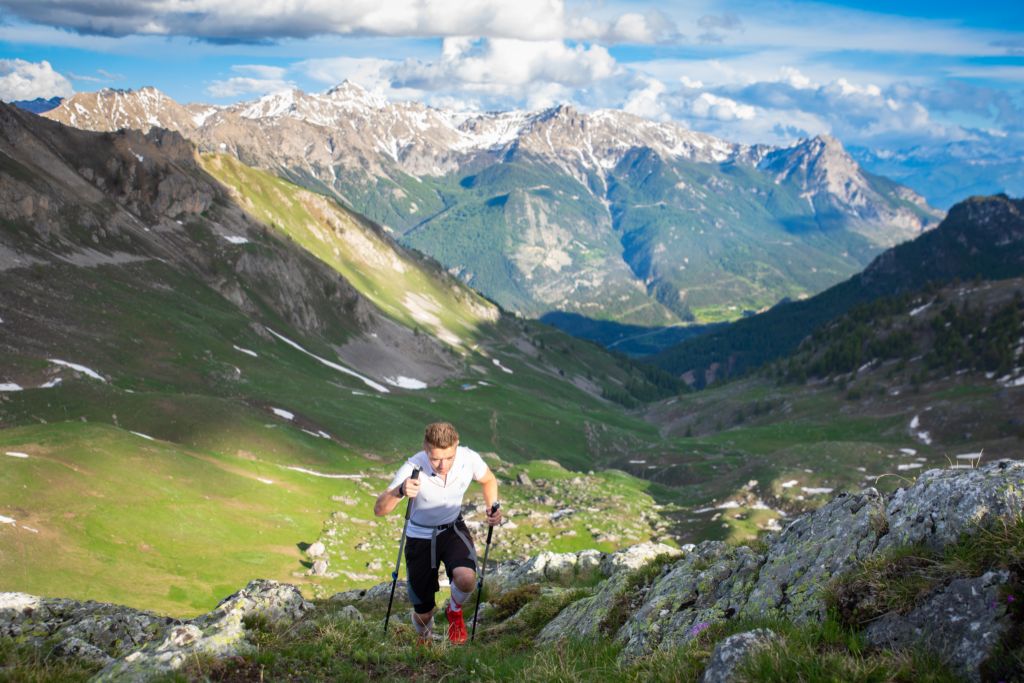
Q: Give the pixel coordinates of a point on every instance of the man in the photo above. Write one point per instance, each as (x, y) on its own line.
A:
(436, 531)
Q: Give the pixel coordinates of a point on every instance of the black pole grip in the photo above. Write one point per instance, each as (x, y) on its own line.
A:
(490, 529)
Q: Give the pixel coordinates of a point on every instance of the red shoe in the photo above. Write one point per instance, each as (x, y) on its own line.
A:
(456, 626)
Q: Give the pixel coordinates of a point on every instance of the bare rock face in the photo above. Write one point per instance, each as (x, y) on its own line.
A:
(731, 652)
(962, 622)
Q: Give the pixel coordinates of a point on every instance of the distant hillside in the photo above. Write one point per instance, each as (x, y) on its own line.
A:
(981, 237)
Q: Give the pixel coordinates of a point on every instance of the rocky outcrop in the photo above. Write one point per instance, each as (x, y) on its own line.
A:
(134, 645)
(112, 630)
(714, 582)
(219, 633)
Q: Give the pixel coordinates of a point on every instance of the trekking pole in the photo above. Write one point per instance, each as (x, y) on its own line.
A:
(483, 570)
(398, 562)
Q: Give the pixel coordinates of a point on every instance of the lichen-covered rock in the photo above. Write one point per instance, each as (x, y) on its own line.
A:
(730, 653)
(219, 633)
(961, 622)
(815, 547)
(943, 504)
(76, 648)
(114, 629)
(316, 550)
(709, 584)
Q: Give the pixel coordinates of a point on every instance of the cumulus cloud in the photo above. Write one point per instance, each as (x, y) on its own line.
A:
(254, 79)
(220, 21)
(23, 80)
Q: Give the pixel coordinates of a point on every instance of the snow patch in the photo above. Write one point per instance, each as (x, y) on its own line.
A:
(970, 456)
(909, 466)
(790, 484)
(236, 239)
(924, 437)
(340, 368)
(403, 382)
(815, 491)
(9, 386)
(264, 481)
(500, 366)
(7, 520)
(916, 422)
(51, 384)
(920, 309)
(245, 351)
(144, 436)
(908, 451)
(80, 368)
(281, 412)
(17, 454)
(325, 476)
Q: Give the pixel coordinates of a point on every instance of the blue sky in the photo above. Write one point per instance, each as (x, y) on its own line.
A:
(878, 74)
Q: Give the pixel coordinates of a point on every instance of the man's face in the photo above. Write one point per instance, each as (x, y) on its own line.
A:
(441, 459)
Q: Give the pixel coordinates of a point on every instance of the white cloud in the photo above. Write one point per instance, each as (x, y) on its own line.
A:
(255, 79)
(22, 80)
(644, 101)
(506, 71)
(260, 71)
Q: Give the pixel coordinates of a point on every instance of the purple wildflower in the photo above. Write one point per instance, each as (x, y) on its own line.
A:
(697, 628)
(1010, 598)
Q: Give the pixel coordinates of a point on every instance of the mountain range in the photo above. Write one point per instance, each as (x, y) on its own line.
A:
(601, 214)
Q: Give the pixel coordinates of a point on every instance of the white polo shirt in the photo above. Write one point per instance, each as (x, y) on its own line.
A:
(439, 500)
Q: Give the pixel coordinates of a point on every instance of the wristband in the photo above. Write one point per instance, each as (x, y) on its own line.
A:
(401, 490)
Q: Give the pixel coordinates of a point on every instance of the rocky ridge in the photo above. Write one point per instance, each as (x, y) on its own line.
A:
(648, 598)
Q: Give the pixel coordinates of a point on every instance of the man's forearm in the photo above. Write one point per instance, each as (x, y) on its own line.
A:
(490, 492)
(386, 502)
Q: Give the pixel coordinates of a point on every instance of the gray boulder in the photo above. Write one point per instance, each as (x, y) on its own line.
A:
(962, 622)
(730, 653)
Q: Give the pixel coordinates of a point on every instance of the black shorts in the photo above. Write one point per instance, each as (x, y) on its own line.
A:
(422, 578)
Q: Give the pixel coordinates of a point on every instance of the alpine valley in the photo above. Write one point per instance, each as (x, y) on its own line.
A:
(603, 215)
(221, 329)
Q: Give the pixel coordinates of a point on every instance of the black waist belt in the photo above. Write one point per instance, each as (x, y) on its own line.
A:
(445, 527)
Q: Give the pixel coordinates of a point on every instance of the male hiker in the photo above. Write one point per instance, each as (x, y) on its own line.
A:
(436, 532)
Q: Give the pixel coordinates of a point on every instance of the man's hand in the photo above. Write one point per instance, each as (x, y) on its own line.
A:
(411, 487)
(493, 519)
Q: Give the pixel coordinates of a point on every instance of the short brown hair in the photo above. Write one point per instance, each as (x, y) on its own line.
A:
(440, 435)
